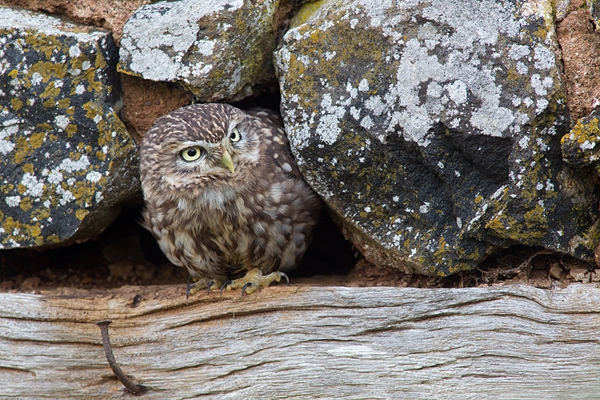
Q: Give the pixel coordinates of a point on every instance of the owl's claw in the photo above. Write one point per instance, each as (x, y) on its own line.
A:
(195, 284)
(190, 286)
(209, 285)
(286, 278)
(225, 285)
(253, 280)
(246, 286)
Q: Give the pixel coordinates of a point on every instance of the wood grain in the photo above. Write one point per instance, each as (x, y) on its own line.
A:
(508, 342)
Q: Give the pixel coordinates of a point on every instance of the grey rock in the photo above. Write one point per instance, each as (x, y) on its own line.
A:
(594, 7)
(66, 160)
(218, 50)
(581, 146)
(432, 129)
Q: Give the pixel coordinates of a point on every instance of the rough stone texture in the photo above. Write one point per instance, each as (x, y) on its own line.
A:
(581, 146)
(580, 44)
(218, 50)
(107, 14)
(432, 129)
(145, 101)
(564, 7)
(66, 160)
(594, 7)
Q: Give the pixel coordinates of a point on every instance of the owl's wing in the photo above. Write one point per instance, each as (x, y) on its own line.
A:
(275, 142)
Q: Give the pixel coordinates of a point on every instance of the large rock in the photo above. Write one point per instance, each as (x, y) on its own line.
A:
(581, 146)
(432, 129)
(218, 50)
(66, 161)
(580, 45)
(107, 14)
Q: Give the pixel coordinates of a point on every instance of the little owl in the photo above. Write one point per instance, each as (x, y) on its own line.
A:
(224, 198)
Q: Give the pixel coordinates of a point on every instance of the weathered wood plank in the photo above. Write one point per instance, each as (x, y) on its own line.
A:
(513, 342)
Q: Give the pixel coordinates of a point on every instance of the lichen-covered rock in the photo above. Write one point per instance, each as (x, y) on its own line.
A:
(107, 14)
(594, 7)
(218, 50)
(581, 146)
(66, 161)
(432, 129)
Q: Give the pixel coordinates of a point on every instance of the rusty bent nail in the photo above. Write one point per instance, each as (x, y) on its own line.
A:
(132, 387)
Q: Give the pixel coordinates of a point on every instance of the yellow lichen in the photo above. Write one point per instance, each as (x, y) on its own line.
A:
(584, 135)
(64, 103)
(16, 104)
(28, 168)
(306, 12)
(7, 188)
(37, 139)
(53, 238)
(81, 214)
(71, 129)
(9, 225)
(40, 214)
(26, 204)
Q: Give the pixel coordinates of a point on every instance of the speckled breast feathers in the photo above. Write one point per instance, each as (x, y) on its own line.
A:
(223, 194)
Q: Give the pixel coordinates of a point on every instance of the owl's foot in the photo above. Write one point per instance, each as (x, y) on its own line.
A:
(253, 280)
(194, 285)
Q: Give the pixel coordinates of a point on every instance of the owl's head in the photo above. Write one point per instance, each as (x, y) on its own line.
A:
(197, 148)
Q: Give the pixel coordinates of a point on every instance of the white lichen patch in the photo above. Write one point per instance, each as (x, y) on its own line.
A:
(56, 127)
(159, 30)
(329, 126)
(187, 41)
(93, 176)
(457, 99)
(12, 18)
(70, 165)
(35, 188)
(62, 121)
(466, 89)
(13, 201)
(206, 47)
(8, 129)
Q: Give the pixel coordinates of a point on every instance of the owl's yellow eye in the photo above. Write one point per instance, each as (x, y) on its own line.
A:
(191, 153)
(235, 135)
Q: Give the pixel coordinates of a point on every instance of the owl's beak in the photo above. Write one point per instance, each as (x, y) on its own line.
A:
(227, 162)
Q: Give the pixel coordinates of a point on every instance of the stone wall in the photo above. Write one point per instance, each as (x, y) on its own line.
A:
(436, 132)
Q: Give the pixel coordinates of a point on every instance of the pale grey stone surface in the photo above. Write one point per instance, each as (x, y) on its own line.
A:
(66, 160)
(433, 129)
(218, 50)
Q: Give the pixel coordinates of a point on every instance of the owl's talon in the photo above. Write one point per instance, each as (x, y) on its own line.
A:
(253, 280)
(209, 285)
(225, 285)
(286, 278)
(246, 286)
(196, 284)
(190, 286)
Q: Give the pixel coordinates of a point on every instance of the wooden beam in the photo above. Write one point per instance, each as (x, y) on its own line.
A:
(501, 342)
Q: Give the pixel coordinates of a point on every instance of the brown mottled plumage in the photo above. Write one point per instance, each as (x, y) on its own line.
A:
(224, 196)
